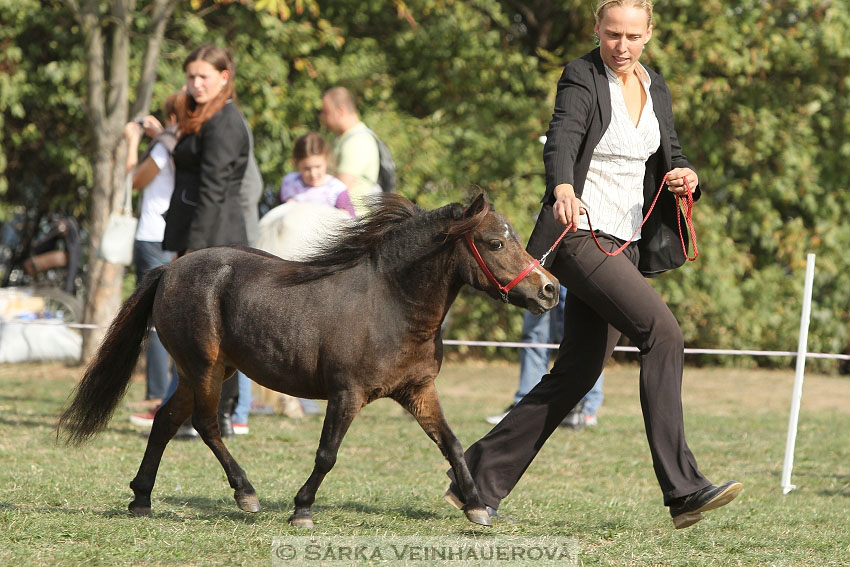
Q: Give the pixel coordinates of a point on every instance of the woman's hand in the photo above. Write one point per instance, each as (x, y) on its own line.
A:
(132, 132)
(567, 207)
(152, 126)
(676, 180)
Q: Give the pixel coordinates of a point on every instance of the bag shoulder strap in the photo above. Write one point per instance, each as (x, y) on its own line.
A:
(128, 195)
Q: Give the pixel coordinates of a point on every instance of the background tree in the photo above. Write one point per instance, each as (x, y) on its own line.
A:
(106, 36)
(461, 90)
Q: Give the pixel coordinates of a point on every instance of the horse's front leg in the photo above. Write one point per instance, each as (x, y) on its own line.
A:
(424, 405)
(342, 408)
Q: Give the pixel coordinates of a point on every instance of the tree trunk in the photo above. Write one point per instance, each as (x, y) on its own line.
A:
(103, 297)
(108, 107)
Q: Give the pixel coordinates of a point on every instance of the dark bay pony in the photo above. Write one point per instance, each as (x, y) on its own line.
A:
(359, 322)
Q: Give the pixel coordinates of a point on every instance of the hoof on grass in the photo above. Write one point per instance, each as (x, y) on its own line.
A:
(304, 522)
(141, 511)
(248, 502)
(478, 516)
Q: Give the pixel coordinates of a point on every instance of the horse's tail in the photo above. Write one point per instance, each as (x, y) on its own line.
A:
(108, 375)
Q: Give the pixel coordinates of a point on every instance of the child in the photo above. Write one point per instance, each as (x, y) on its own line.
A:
(311, 182)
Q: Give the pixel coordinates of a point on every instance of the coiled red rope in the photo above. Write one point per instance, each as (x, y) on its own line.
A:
(688, 200)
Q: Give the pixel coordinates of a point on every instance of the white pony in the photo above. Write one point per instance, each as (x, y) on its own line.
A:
(296, 231)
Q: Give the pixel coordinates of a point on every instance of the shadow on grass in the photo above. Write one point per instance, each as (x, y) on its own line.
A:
(212, 508)
(19, 422)
(409, 511)
(27, 399)
(209, 510)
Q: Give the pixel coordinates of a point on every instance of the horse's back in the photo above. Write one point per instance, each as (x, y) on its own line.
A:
(233, 306)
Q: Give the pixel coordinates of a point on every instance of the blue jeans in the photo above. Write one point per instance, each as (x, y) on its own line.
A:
(243, 403)
(147, 256)
(534, 361)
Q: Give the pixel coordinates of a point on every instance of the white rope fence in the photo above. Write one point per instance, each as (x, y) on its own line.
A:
(635, 349)
(801, 354)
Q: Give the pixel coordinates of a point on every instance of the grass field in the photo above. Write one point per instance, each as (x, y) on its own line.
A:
(67, 506)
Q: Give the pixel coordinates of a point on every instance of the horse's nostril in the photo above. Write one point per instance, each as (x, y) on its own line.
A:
(549, 289)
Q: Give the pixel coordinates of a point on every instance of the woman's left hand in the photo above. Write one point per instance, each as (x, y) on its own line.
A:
(676, 180)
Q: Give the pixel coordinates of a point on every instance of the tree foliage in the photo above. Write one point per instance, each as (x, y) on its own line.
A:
(461, 90)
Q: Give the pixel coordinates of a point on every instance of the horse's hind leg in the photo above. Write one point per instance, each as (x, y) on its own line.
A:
(424, 405)
(205, 420)
(340, 413)
(165, 424)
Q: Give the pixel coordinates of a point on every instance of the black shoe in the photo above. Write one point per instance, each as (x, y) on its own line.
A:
(225, 426)
(686, 511)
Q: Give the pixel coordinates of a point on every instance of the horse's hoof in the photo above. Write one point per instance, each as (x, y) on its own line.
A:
(304, 522)
(141, 511)
(478, 516)
(248, 502)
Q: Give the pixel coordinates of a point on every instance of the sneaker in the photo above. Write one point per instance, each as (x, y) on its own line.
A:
(496, 419)
(143, 419)
(186, 432)
(240, 429)
(576, 419)
(590, 421)
(149, 405)
(687, 510)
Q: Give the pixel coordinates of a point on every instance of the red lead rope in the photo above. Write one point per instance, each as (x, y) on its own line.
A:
(689, 205)
(688, 211)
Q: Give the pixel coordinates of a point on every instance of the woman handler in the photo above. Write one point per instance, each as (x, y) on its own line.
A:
(610, 143)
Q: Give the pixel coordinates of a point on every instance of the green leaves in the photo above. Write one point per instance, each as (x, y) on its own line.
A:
(461, 90)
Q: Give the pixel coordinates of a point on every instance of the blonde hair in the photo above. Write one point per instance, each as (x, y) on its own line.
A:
(603, 5)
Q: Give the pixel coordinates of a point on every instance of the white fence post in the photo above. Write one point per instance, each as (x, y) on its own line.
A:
(797, 395)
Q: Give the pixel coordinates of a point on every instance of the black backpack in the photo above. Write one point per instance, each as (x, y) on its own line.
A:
(386, 170)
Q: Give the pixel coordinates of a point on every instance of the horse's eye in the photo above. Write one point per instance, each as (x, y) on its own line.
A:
(496, 244)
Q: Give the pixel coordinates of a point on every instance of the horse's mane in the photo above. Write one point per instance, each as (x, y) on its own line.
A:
(389, 213)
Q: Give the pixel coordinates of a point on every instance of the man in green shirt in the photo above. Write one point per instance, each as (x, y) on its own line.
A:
(355, 150)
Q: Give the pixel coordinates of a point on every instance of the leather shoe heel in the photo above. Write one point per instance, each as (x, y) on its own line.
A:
(687, 510)
(452, 496)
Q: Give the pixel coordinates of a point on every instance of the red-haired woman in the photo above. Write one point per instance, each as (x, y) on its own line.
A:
(210, 162)
(210, 158)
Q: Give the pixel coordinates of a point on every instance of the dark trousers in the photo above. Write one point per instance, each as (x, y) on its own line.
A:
(147, 256)
(608, 297)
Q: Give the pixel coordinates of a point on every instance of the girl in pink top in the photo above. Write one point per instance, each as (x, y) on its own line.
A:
(311, 182)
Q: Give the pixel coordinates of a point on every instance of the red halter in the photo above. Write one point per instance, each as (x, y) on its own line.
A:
(503, 290)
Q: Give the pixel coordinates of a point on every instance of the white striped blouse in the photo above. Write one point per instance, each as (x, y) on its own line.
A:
(613, 191)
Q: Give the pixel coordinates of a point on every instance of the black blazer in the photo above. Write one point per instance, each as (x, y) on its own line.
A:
(582, 114)
(206, 207)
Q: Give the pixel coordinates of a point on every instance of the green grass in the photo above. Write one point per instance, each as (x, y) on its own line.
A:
(60, 505)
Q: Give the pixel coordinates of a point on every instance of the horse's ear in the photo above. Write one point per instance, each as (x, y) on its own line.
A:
(478, 204)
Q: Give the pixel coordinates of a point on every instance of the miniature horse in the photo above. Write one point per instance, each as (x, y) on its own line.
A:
(361, 321)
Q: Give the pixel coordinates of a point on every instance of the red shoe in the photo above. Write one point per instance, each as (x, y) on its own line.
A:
(143, 419)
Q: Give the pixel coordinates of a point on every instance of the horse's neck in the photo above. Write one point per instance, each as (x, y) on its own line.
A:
(426, 282)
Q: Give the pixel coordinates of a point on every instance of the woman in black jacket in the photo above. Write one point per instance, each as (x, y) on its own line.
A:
(210, 160)
(610, 143)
